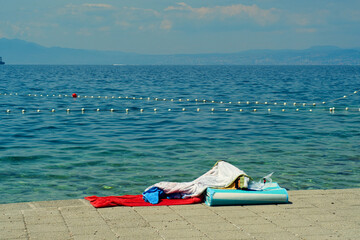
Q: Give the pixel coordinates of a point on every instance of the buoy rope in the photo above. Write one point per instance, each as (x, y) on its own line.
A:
(191, 109)
(272, 102)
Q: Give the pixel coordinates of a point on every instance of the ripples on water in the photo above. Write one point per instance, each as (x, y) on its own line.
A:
(61, 155)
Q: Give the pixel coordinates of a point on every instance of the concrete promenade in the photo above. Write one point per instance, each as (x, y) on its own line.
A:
(312, 214)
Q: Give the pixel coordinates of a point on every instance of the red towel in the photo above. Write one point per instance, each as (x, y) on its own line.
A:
(137, 201)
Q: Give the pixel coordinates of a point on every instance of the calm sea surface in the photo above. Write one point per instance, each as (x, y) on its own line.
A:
(66, 154)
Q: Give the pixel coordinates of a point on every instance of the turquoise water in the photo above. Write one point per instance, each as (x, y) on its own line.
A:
(47, 155)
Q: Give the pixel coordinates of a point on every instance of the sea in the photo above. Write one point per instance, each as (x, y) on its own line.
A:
(132, 126)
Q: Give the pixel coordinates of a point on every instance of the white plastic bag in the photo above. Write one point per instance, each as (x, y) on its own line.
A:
(256, 186)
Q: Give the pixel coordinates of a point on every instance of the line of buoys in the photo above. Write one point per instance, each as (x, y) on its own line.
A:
(212, 110)
(285, 103)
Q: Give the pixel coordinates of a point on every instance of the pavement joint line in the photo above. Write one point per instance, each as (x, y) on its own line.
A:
(67, 226)
(100, 214)
(26, 228)
(157, 230)
(230, 222)
(184, 219)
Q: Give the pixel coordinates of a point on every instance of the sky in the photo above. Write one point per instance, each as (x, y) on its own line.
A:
(182, 27)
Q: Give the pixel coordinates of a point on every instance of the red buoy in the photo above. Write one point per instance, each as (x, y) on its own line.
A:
(74, 95)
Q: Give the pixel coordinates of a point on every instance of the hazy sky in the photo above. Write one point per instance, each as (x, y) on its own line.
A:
(196, 26)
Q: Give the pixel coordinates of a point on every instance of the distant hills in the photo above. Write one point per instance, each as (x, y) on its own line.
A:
(15, 51)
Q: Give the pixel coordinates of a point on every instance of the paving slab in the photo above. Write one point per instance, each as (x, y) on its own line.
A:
(282, 235)
(230, 235)
(312, 214)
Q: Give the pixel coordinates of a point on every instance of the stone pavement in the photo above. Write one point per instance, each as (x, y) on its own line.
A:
(312, 214)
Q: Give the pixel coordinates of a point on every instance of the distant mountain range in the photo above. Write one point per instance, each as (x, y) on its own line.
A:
(15, 51)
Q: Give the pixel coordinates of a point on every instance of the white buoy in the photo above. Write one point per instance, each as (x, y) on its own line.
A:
(256, 102)
(169, 109)
(141, 110)
(8, 111)
(304, 104)
(310, 110)
(83, 109)
(247, 102)
(155, 109)
(98, 110)
(294, 103)
(297, 109)
(266, 103)
(198, 109)
(212, 109)
(127, 110)
(344, 96)
(38, 110)
(240, 110)
(346, 108)
(284, 103)
(52, 110)
(68, 110)
(323, 102)
(269, 110)
(283, 110)
(111, 110)
(314, 104)
(226, 110)
(255, 110)
(184, 109)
